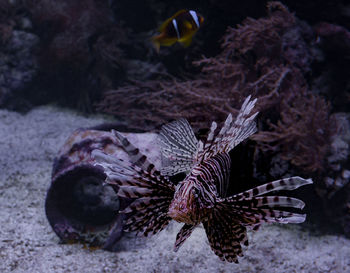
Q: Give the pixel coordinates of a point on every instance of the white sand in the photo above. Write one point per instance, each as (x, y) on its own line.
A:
(28, 144)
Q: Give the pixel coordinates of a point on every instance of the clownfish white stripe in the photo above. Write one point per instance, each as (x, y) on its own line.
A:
(176, 29)
(195, 17)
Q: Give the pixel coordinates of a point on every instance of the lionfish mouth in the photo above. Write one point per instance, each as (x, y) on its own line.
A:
(180, 216)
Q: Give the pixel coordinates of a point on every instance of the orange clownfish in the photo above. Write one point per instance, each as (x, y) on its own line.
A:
(178, 28)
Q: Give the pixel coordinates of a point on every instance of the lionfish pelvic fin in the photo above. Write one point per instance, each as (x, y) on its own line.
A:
(179, 146)
(225, 235)
(138, 179)
(183, 234)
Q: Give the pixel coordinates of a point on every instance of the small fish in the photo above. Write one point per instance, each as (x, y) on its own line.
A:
(201, 198)
(178, 28)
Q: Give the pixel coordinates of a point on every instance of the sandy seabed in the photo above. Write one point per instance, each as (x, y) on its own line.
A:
(28, 144)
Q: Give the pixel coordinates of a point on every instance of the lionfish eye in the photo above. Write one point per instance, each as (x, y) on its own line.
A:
(195, 192)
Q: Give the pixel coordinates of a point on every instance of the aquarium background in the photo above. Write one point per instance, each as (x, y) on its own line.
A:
(74, 64)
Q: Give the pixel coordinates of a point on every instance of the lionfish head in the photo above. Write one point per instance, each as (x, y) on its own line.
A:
(186, 206)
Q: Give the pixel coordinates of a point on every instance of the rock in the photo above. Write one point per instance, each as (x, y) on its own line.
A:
(18, 65)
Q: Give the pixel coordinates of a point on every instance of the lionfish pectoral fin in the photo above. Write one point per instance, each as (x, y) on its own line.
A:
(135, 156)
(183, 234)
(225, 235)
(112, 165)
(290, 183)
(252, 209)
(179, 147)
(138, 179)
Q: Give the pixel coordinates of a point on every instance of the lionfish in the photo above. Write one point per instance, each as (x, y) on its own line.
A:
(202, 196)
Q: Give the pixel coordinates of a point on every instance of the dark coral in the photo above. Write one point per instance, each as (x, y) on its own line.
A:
(268, 58)
(302, 133)
(334, 67)
(223, 82)
(7, 20)
(80, 51)
(18, 65)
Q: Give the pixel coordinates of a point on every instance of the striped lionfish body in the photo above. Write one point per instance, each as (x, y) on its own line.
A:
(202, 196)
(197, 194)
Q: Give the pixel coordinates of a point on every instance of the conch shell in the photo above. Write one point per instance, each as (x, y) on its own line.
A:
(79, 206)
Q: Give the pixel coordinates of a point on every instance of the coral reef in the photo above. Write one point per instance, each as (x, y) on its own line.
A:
(333, 67)
(302, 134)
(83, 37)
(268, 57)
(86, 48)
(18, 66)
(79, 51)
(334, 182)
(224, 79)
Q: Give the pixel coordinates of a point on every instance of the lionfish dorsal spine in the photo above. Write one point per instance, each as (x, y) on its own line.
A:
(232, 132)
(182, 235)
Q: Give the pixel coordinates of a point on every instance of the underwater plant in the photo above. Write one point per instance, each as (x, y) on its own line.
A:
(266, 57)
(222, 84)
(201, 198)
(302, 134)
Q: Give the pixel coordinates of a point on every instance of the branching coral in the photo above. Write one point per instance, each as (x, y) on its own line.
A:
(302, 134)
(223, 82)
(258, 58)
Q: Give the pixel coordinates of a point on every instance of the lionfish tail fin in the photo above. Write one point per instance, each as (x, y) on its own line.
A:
(183, 234)
(152, 192)
(225, 234)
(179, 147)
(252, 209)
(232, 132)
